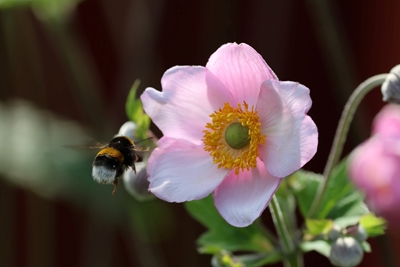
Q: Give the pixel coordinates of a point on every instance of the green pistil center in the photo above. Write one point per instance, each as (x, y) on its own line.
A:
(237, 135)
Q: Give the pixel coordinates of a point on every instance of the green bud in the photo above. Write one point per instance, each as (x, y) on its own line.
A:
(346, 252)
(361, 234)
(391, 87)
(137, 184)
(335, 232)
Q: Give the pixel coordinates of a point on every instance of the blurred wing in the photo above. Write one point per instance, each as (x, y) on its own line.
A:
(86, 147)
(141, 149)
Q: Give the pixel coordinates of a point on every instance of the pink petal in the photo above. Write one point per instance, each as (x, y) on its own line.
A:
(240, 199)
(387, 122)
(291, 138)
(189, 96)
(182, 171)
(374, 167)
(295, 96)
(241, 69)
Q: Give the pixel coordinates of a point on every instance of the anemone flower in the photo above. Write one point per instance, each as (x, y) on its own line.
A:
(231, 128)
(374, 166)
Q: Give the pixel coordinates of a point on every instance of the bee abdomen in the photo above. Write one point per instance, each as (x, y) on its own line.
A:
(105, 168)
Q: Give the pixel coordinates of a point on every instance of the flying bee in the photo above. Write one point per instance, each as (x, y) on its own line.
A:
(114, 158)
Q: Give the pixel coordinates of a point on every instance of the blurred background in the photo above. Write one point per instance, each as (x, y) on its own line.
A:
(66, 67)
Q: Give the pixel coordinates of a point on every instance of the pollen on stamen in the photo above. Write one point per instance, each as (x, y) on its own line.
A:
(215, 142)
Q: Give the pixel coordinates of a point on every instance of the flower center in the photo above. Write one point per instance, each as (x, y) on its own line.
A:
(233, 137)
(237, 135)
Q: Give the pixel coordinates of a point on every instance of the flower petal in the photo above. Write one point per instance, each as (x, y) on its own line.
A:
(189, 96)
(387, 122)
(182, 171)
(295, 96)
(241, 69)
(374, 168)
(291, 135)
(240, 199)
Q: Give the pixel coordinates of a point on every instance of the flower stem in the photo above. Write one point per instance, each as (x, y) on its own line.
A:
(341, 134)
(291, 259)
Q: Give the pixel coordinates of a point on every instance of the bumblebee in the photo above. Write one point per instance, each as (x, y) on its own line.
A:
(114, 158)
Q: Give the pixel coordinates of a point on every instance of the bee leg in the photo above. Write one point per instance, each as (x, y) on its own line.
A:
(115, 183)
(133, 164)
(134, 168)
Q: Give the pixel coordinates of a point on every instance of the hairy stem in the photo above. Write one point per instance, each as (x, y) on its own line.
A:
(341, 135)
(291, 258)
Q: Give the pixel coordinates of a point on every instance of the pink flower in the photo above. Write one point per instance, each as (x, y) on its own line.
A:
(375, 165)
(231, 128)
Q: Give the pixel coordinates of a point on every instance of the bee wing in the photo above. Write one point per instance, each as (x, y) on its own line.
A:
(141, 149)
(86, 147)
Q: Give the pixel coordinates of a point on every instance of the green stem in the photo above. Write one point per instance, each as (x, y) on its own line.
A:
(341, 134)
(291, 259)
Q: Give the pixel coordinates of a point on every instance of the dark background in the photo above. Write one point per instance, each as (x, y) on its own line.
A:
(66, 69)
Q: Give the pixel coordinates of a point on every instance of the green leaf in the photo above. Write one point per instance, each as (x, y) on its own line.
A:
(373, 225)
(287, 203)
(134, 111)
(347, 221)
(225, 259)
(260, 259)
(366, 246)
(321, 246)
(340, 198)
(14, 3)
(351, 205)
(47, 10)
(318, 227)
(222, 235)
(305, 185)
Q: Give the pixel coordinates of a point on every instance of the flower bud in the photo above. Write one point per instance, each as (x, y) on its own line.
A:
(335, 232)
(391, 87)
(346, 252)
(128, 129)
(358, 232)
(374, 166)
(137, 184)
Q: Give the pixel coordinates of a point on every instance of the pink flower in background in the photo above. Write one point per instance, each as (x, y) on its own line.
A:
(375, 164)
(231, 128)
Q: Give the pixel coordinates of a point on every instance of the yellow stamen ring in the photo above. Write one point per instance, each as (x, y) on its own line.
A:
(224, 155)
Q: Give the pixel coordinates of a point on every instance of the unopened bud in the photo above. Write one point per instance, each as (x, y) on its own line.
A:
(346, 252)
(128, 129)
(225, 259)
(391, 87)
(335, 232)
(137, 184)
(361, 235)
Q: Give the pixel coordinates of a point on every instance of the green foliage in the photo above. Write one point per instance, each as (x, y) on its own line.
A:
(320, 246)
(341, 199)
(226, 259)
(287, 204)
(373, 225)
(318, 227)
(14, 3)
(305, 185)
(54, 10)
(222, 236)
(341, 205)
(134, 111)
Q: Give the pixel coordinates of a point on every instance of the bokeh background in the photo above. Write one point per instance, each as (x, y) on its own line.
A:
(66, 67)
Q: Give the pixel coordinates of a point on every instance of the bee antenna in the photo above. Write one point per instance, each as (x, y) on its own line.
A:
(143, 140)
